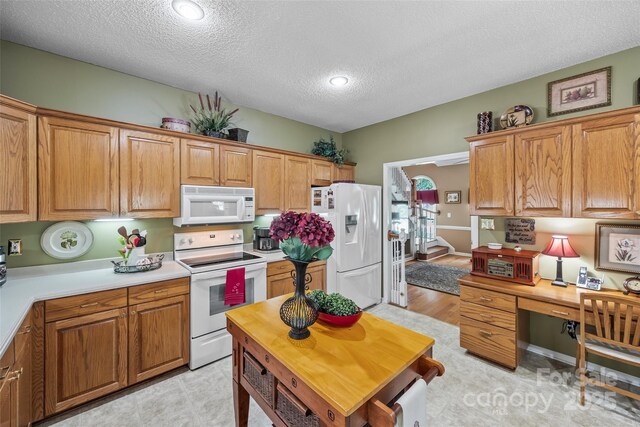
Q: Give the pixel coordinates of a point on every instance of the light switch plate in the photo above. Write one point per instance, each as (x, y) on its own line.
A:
(15, 247)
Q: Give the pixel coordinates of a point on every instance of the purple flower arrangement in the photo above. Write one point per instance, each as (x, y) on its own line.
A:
(303, 236)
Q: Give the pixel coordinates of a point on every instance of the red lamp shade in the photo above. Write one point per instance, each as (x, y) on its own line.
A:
(430, 197)
(559, 246)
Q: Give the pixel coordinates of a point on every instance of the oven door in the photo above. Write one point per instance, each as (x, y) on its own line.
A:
(207, 297)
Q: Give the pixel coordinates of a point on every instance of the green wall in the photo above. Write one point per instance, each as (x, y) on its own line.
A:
(442, 129)
(53, 81)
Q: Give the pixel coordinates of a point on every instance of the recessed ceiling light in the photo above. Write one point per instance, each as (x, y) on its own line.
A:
(339, 81)
(188, 9)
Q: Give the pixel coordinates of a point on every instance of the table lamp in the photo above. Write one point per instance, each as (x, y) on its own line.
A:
(559, 246)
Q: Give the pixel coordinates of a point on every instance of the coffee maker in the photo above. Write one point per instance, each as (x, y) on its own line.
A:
(262, 241)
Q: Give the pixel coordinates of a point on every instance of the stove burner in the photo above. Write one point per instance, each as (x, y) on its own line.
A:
(218, 259)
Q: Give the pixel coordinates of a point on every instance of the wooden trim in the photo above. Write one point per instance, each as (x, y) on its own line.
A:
(175, 134)
(552, 123)
(37, 361)
(15, 103)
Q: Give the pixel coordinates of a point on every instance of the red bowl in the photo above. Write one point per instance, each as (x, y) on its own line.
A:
(341, 321)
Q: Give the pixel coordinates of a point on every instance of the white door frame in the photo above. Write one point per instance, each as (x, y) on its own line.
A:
(459, 158)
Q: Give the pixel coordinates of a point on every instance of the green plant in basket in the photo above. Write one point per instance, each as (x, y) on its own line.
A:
(334, 304)
(328, 149)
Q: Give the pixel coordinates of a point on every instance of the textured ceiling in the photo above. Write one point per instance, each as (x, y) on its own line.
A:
(276, 57)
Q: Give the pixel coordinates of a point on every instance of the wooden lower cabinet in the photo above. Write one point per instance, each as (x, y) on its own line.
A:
(7, 388)
(280, 282)
(158, 337)
(85, 358)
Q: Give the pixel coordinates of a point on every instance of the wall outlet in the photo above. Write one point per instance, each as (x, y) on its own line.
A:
(15, 247)
(448, 214)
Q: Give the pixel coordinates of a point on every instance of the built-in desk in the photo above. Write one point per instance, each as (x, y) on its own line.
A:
(494, 321)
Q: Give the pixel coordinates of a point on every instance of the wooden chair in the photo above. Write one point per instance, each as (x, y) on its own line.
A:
(617, 335)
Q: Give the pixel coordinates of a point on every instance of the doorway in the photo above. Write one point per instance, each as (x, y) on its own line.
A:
(395, 183)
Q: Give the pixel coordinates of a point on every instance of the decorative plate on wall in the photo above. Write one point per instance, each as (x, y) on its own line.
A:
(66, 240)
(516, 116)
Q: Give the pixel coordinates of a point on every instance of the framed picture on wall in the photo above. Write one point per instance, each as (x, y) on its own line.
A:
(618, 247)
(452, 197)
(579, 93)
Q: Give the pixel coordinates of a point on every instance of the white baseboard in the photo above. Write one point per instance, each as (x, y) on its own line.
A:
(462, 254)
(569, 360)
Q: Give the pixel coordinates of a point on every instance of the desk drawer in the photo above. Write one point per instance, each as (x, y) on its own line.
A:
(80, 305)
(491, 342)
(158, 290)
(550, 309)
(488, 315)
(488, 298)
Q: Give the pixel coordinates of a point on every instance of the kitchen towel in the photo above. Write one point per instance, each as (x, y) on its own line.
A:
(414, 406)
(234, 287)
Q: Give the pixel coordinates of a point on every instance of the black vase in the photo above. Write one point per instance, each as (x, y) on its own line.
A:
(299, 312)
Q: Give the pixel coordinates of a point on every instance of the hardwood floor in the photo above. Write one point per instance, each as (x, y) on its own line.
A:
(439, 305)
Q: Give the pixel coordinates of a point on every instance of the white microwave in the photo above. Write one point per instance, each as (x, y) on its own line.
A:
(201, 205)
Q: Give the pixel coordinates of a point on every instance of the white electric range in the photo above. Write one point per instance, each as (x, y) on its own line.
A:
(208, 255)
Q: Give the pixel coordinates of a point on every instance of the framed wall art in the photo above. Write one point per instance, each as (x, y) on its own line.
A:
(618, 247)
(453, 197)
(579, 93)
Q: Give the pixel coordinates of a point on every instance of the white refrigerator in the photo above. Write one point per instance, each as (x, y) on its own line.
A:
(355, 268)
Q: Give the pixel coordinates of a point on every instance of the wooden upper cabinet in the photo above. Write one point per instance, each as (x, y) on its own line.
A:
(606, 167)
(297, 187)
(86, 357)
(321, 173)
(158, 337)
(77, 169)
(17, 161)
(235, 166)
(491, 176)
(149, 175)
(543, 172)
(268, 178)
(344, 173)
(199, 162)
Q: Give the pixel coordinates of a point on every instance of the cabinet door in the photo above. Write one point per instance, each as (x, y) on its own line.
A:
(235, 166)
(344, 173)
(268, 178)
(7, 388)
(321, 173)
(158, 337)
(199, 162)
(149, 175)
(491, 176)
(23, 348)
(85, 357)
(318, 277)
(543, 172)
(18, 165)
(280, 284)
(77, 169)
(606, 168)
(297, 184)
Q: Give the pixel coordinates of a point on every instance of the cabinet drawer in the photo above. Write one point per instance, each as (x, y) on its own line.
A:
(279, 267)
(550, 309)
(488, 315)
(79, 305)
(488, 341)
(158, 290)
(488, 298)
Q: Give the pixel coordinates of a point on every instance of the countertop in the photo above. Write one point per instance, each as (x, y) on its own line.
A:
(272, 256)
(30, 284)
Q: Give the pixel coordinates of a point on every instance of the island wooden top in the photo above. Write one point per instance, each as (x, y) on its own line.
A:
(345, 366)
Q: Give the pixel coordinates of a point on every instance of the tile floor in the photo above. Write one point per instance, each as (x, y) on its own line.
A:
(472, 393)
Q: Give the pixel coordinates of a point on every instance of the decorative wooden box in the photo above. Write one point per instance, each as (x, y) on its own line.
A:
(506, 264)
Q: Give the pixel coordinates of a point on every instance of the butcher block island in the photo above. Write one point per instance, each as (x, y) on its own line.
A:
(336, 377)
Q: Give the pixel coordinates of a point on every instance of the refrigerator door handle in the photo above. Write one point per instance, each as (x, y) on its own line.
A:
(361, 271)
(365, 223)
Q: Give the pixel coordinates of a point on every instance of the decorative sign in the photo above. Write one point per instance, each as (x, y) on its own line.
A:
(520, 230)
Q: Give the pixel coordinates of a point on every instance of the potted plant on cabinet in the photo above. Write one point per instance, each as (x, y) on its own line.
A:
(212, 120)
(328, 149)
